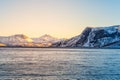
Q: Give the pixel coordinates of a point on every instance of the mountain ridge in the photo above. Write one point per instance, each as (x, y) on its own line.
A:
(94, 37)
(91, 37)
(22, 40)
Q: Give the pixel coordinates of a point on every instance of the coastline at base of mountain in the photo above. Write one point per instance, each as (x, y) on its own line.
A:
(91, 38)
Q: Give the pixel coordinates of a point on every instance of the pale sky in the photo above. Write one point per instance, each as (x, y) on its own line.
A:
(59, 18)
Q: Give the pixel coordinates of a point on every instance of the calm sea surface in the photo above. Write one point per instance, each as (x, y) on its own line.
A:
(59, 64)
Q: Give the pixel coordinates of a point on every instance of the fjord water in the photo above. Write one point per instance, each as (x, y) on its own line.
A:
(59, 64)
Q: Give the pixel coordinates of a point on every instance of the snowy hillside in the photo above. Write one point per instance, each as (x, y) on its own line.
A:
(45, 39)
(25, 41)
(97, 37)
(16, 40)
(94, 37)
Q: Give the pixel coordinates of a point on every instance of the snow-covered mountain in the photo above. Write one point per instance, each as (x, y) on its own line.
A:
(45, 39)
(16, 40)
(25, 41)
(94, 37)
(91, 37)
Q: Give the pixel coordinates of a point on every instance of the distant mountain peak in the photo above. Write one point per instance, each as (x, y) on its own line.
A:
(21, 36)
(46, 35)
(23, 40)
(45, 39)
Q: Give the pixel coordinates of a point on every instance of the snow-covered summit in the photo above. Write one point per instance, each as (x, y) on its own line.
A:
(95, 37)
(15, 40)
(22, 38)
(25, 41)
(45, 39)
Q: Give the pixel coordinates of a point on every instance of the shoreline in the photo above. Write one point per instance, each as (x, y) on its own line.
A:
(56, 47)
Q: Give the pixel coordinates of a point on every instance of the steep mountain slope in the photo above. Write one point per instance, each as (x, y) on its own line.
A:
(93, 37)
(103, 36)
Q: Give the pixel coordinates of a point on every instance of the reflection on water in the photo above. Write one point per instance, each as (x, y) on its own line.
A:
(59, 64)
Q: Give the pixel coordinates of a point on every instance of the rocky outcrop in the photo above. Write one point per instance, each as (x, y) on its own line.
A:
(94, 38)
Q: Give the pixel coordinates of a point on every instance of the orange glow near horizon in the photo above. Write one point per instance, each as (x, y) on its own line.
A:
(58, 18)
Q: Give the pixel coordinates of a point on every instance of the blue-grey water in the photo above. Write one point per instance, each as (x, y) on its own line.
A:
(59, 64)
